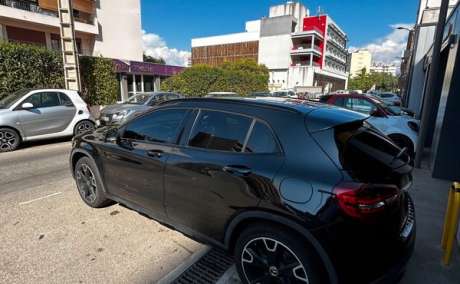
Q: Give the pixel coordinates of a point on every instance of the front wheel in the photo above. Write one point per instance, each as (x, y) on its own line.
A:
(83, 127)
(9, 140)
(271, 254)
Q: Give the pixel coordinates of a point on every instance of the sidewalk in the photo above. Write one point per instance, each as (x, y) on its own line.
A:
(430, 198)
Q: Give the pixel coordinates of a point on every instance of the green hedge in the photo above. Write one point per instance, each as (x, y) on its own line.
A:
(242, 77)
(98, 80)
(28, 66)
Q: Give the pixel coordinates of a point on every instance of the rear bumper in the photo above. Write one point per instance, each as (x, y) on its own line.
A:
(370, 254)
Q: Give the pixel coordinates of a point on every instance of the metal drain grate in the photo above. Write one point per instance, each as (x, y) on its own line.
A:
(207, 270)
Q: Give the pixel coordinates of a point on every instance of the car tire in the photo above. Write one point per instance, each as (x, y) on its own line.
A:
(89, 184)
(9, 140)
(83, 127)
(266, 253)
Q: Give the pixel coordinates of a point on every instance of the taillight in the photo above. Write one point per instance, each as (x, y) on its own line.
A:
(365, 201)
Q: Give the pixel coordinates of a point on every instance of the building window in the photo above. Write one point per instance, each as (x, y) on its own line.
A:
(138, 83)
(148, 83)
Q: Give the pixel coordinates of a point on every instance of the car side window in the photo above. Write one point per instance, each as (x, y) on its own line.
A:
(220, 131)
(261, 140)
(50, 99)
(340, 101)
(162, 126)
(348, 103)
(65, 100)
(34, 99)
(363, 106)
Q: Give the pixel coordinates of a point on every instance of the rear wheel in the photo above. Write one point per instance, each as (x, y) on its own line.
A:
(89, 184)
(9, 140)
(271, 254)
(83, 127)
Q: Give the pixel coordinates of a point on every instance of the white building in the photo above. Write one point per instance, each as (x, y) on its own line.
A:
(302, 52)
(385, 68)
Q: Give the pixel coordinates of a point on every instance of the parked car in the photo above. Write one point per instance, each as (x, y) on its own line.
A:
(135, 105)
(390, 99)
(28, 115)
(260, 94)
(221, 94)
(285, 94)
(298, 192)
(402, 129)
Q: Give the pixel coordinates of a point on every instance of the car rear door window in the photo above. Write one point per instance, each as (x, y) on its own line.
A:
(162, 126)
(220, 131)
(261, 140)
(65, 100)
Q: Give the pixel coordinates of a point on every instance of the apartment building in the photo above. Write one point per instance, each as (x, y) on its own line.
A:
(359, 60)
(108, 28)
(302, 52)
(385, 68)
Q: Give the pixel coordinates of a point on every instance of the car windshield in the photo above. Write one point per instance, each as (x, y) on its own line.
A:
(9, 100)
(139, 99)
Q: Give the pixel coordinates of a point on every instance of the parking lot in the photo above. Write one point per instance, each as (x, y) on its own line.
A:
(48, 235)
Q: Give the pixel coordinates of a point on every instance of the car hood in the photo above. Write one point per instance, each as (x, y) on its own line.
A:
(122, 107)
(328, 117)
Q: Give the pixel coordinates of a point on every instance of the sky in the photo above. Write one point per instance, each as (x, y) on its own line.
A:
(169, 25)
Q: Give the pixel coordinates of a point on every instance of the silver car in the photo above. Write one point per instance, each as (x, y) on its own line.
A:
(28, 115)
(137, 104)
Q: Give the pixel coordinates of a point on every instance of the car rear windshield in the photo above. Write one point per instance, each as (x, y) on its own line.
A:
(365, 154)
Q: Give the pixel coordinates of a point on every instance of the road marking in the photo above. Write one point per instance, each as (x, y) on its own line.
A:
(40, 198)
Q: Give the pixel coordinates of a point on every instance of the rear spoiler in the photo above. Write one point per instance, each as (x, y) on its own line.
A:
(329, 117)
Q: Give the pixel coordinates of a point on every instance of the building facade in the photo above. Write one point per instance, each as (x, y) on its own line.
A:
(423, 38)
(302, 52)
(359, 60)
(385, 68)
(108, 28)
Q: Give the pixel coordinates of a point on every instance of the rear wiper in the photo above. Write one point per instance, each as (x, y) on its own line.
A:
(402, 152)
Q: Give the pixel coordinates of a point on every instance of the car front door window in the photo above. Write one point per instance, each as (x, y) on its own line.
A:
(362, 106)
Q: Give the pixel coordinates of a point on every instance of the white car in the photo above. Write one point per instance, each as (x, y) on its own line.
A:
(401, 128)
(390, 99)
(28, 115)
(285, 93)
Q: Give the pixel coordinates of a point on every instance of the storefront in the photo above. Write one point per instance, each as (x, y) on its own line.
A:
(137, 77)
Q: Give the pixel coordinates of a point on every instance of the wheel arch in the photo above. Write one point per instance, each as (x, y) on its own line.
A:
(21, 136)
(82, 120)
(241, 221)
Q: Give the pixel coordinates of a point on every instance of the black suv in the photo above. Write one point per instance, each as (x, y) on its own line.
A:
(298, 192)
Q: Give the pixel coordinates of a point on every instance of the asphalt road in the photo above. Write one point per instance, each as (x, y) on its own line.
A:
(48, 235)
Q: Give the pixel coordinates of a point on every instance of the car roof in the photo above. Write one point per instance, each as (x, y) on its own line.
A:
(296, 105)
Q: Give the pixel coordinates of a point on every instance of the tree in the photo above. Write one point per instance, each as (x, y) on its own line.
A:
(151, 59)
(242, 77)
(381, 81)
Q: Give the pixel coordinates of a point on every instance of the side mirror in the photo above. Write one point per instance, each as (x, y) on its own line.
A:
(27, 106)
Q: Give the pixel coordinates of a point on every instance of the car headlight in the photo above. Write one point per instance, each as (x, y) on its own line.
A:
(121, 115)
(413, 125)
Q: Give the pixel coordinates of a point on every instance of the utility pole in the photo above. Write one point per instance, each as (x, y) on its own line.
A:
(434, 78)
(68, 45)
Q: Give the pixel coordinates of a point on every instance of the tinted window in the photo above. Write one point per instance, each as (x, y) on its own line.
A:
(50, 100)
(363, 106)
(339, 101)
(220, 131)
(35, 99)
(160, 126)
(65, 100)
(261, 140)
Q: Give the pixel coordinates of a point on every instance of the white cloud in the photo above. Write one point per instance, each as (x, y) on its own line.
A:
(156, 47)
(388, 49)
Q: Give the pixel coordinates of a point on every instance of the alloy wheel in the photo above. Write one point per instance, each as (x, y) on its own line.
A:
(8, 140)
(86, 182)
(265, 260)
(84, 126)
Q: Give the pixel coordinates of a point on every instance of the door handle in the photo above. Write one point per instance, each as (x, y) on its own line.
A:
(155, 153)
(242, 170)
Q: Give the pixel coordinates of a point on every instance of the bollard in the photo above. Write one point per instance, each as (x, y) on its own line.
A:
(451, 221)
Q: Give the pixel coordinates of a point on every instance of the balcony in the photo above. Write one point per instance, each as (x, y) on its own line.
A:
(312, 32)
(336, 57)
(31, 12)
(306, 49)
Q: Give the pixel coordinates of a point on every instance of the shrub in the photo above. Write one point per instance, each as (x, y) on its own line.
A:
(242, 77)
(99, 81)
(28, 66)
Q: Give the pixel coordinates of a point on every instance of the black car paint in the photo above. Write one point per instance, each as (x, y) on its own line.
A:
(197, 196)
